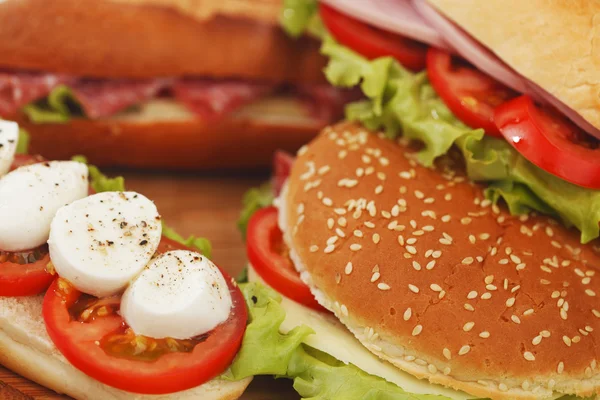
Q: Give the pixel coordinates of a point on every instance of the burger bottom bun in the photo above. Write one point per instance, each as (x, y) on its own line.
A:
(164, 135)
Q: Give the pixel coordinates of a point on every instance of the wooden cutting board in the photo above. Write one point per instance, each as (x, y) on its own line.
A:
(201, 205)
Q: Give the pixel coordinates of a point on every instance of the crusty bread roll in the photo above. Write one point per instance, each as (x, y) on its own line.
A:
(554, 43)
(150, 39)
(433, 278)
(164, 135)
(26, 348)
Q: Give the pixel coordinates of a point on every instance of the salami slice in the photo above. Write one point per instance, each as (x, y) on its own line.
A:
(103, 98)
(20, 88)
(211, 99)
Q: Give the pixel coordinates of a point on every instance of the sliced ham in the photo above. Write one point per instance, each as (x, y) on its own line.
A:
(398, 16)
(211, 99)
(103, 98)
(18, 89)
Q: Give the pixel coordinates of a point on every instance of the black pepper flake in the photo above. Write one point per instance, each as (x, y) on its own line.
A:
(254, 299)
(143, 242)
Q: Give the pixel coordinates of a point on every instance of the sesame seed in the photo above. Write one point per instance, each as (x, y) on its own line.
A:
(435, 287)
(329, 249)
(416, 265)
(348, 269)
(358, 233)
(436, 254)
(484, 335)
(344, 310)
(314, 248)
(472, 239)
(355, 247)
(369, 224)
(411, 241)
(520, 267)
(379, 189)
(491, 287)
(407, 314)
(340, 232)
(514, 258)
(446, 218)
(383, 286)
(330, 223)
(448, 196)
(327, 201)
(342, 222)
(590, 292)
(515, 319)
(472, 295)
(417, 330)
(510, 302)
(528, 312)
(464, 350)
(465, 220)
(428, 228)
(430, 265)
(567, 340)
(401, 240)
(432, 368)
(468, 326)
(467, 260)
(545, 333)
(445, 241)
(503, 261)
(489, 279)
(413, 288)
(469, 307)
(411, 249)
(375, 276)
(486, 296)
(561, 367)
(446, 352)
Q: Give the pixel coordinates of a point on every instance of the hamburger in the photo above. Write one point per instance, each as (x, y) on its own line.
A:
(431, 250)
(161, 84)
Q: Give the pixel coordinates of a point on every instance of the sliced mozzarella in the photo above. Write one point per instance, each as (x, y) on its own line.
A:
(30, 196)
(181, 294)
(102, 242)
(9, 136)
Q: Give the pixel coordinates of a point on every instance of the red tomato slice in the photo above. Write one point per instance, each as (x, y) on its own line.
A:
(25, 159)
(24, 279)
(29, 279)
(282, 165)
(265, 249)
(373, 42)
(550, 141)
(82, 344)
(470, 94)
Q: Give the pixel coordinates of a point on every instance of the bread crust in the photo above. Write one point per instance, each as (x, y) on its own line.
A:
(554, 43)
(470, 299)
(26, 349)
(244, 140)
(116, 40)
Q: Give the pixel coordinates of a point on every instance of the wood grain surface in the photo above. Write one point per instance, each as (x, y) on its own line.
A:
(207, 206)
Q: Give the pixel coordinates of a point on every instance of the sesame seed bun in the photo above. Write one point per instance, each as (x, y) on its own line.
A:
(434, 278)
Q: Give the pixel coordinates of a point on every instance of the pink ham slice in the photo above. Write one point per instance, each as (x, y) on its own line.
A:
(103, 98)
(211, 99)
(20, 88)
(398, 16)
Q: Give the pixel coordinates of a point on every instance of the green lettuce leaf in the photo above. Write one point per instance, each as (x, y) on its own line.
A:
(401, 102)
(99, 181)
(253, 200)
(297, 16)
(58, 107)
(23, 143)
(316, 375)
(200, 243)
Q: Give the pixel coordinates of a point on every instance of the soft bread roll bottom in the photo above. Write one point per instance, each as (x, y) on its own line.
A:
(23, 351)
(162, 134)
